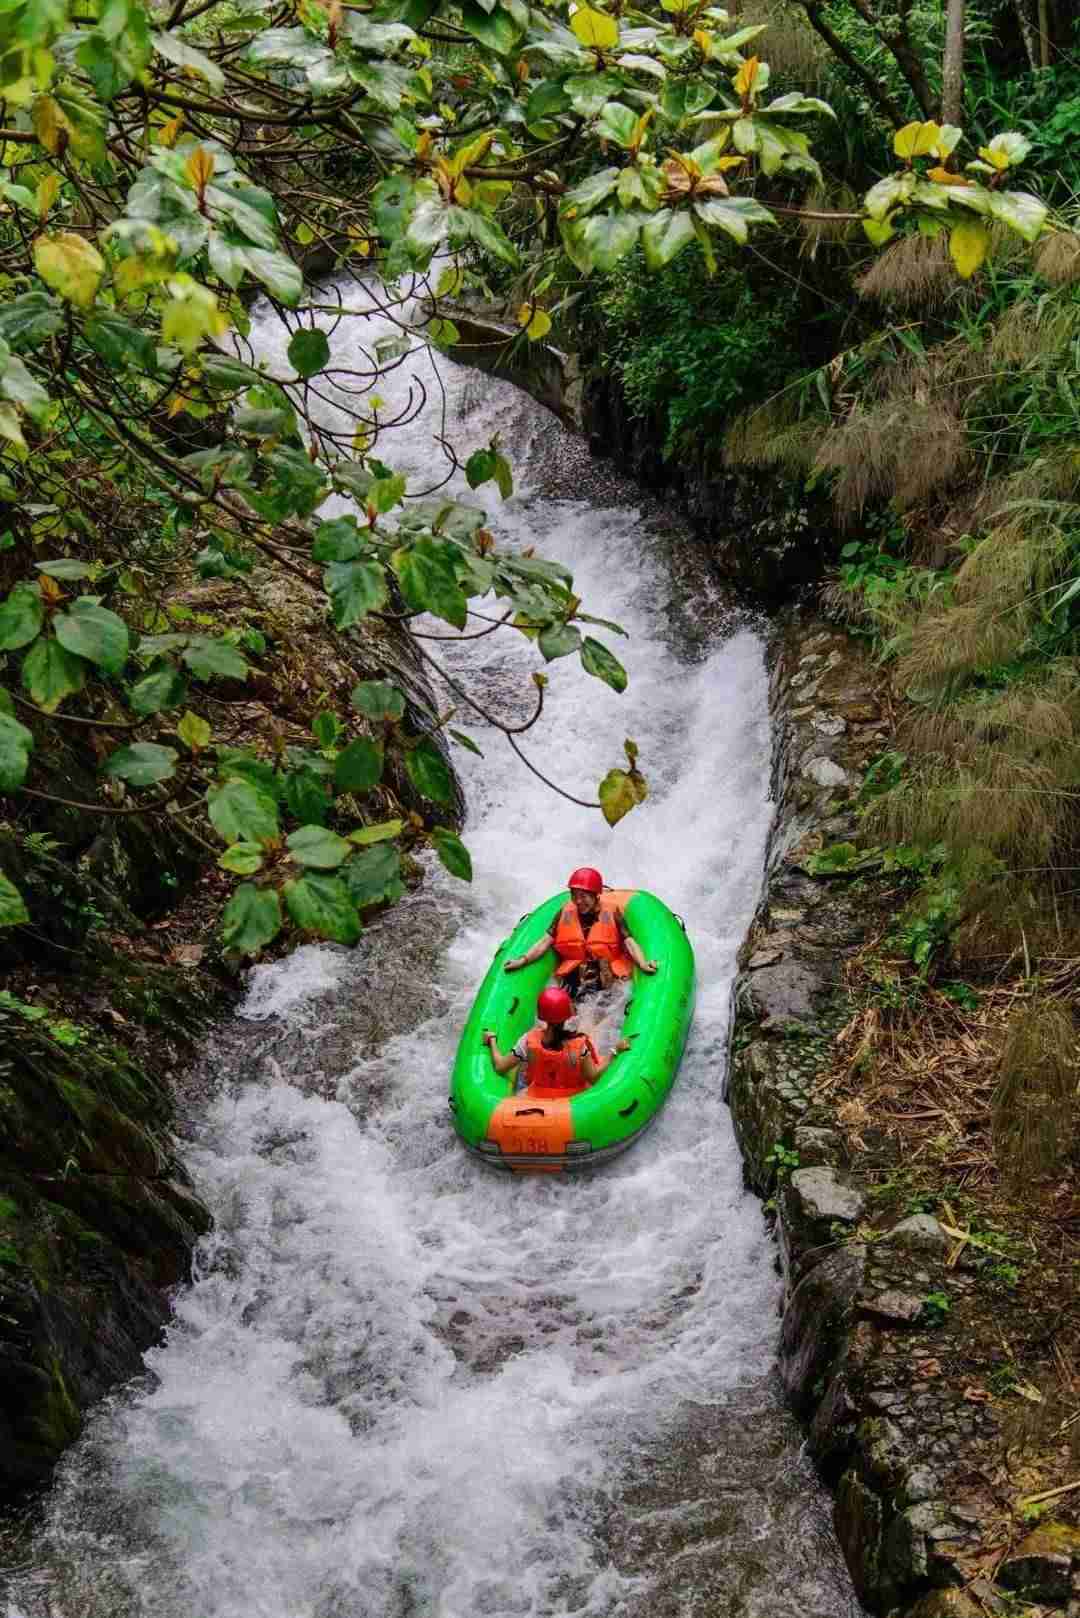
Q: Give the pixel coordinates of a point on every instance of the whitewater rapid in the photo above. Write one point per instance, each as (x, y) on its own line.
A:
(402, 1387)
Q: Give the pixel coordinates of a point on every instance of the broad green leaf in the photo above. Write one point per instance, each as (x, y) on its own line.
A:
(243, 859)
(620, 791)
(733, 215)
(210, 659)
(250, 920)
(119, 342)
(194, 732)
(16, 744)
(142, 764)
(50, 673)
(453, 853)
(358, 767)
(428, 772)
(181, 54)
(22, 388)
(617, 123)
(21, 618)
(496, 29)
(282, 278)
(64, 568)
(378, 699)
(504, 477)
(664, 235)
(322, 905)
(386, 493)
(559, 640)
(608, 237)
(879, 231)
(594, 28)
(969, 243)
(70, 265)
(95, 633)
(1020, 211)
(241, 812)
(893, 189)
(480, 467)
(387, 829)
(586, 92)
(306, 797)
(309, 351)
(315, 845)
(355, 589)
(162, 688)
(427, 573)
(28, 321)
(374, 875)
(592, 191)
(326, 727)
(597, 660)
(338, 540)
(465, 741)
(13, 911)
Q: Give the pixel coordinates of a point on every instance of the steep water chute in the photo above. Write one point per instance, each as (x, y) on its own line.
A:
(401, 1386)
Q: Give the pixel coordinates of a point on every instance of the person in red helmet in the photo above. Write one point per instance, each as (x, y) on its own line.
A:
(590, 939)
(557, 1060)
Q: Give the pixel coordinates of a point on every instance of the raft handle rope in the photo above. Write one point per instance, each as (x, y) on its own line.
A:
(515, 1002)
(624, 1112)
(533, 1112)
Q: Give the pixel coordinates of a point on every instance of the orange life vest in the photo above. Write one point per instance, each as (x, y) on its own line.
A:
(602, 942)
(556, 1072)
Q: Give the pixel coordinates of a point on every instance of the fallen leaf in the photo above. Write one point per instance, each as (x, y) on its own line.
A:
(976, 1396)
(928, 1368)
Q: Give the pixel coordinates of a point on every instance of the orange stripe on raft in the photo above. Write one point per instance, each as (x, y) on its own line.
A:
(526, 1125)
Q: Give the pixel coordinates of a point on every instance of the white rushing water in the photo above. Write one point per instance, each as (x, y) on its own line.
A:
(401, 1386)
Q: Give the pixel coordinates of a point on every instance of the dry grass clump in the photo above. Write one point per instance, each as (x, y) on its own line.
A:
(999, 775)
(773, 435)
(1057, 259)
(1030, 336)
(1010, 918)
(997, 594)
(904, 449)
(1034, 1106)
(915, 272)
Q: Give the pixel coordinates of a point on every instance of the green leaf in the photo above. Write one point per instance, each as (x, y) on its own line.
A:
(181, 54)
(480, 467)
(592, 191)
(355, 589)
(209, 659)
(13, 911)
(21, 618)
(194, 732)
(587, 93)
(30, 320)
(22, 388)
(358, 766)
(241, 812)
(95, 633)
(620, 791)
(559, 640)
(608, 237)
(504, 477)
(69, 265)
(309, 351)
(322, 905)
(496, 29)
(453, 853)
(617, 123)
(597, 660)
(338, 541)
(163, 687)
(50, 674)
(120, 343)
(16, 744)
(969, 243)
(141, 764)
(306, 797)
(428, 772)
(374, 875)
(378, 699)
(250, 920)
(734, 214)
(381, 833)
(465, 741)
(244, 859)
(664, 235)
(1020, 211)
(315, 845)
(64, 568)
(282, 278)
(427, 573)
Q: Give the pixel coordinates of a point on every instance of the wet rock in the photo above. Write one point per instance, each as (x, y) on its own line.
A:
(788, 992)
(815, 1200)
(766, 1100)
(817, 1147)
(764, 957)
(945, 1604)
(813, 1333)
(1040, 1568)
(825, 772)
(920, 1234)
(829, 724)
(832, 1428)
(894, 1308)
(858, 1517)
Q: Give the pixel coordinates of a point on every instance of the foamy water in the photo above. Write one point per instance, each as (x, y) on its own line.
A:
(401, 1385)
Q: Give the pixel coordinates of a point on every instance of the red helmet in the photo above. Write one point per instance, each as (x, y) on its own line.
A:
(555, 1005)
(585, 877)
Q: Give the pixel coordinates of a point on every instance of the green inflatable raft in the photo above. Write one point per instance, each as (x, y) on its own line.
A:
(522, 1133)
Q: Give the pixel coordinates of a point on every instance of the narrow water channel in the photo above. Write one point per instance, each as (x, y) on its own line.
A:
(400, 1386)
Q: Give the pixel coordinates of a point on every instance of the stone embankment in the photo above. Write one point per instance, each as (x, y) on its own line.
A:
(864, 1353)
